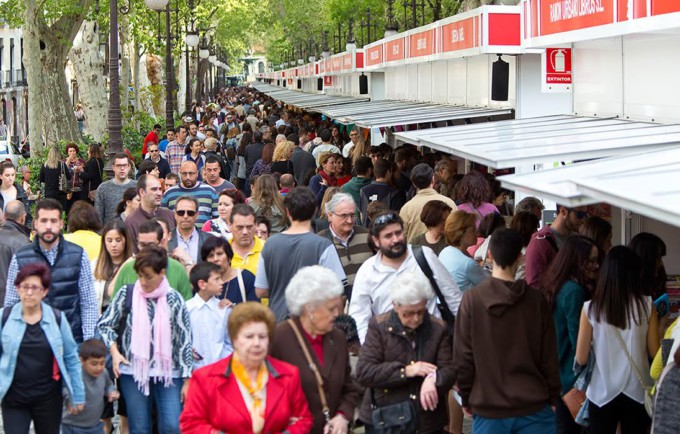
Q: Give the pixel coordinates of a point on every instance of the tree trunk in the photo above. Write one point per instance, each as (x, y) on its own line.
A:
(31, 33)
(203, 65)
(135, 76)
(153, 72)
(88, 65)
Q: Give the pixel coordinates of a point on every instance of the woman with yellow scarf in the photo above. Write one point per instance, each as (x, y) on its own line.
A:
(248, 391)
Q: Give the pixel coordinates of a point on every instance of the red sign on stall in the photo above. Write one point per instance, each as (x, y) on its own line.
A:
(394, 50)
(559, 16)
(558, 66)
(374, 55)
(327, 81)
(660, 7)
(347, 62)
(422, 44)
(460, 35)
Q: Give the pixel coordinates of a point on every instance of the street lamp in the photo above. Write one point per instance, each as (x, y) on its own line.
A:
(351, 45)
(203, 53)
(212, 58)
(192, 39)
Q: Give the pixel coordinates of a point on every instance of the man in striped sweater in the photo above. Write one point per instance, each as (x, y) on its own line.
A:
(191, 186)
(349, 239)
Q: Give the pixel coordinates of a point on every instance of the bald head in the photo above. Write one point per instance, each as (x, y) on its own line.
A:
(189, 174)
(15, 211)
(287, 181)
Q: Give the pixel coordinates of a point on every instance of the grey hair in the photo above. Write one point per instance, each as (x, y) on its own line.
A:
(311, 285)
(280, 138)
(410, 288)
(336, 200)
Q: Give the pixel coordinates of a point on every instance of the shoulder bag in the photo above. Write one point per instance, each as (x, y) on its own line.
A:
(63, 180)
(315, 370)
(649, 400)
(447, 315)
(92, 194)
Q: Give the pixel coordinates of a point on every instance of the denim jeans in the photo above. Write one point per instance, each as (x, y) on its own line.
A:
(165, 399)
(542, 422)
(72, 429)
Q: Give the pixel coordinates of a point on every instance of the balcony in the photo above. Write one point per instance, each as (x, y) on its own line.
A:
(6, 78)
(18, 78)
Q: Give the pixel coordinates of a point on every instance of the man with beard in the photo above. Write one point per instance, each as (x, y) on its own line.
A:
(371, 291)
(72, 289)
(545, 243)
(284, 254)
(190, 186)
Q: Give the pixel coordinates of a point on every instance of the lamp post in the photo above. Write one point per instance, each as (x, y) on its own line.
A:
(390, 27)
(158, 6)
(114, 118)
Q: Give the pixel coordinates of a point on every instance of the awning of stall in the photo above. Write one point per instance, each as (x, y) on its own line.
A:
(507, 144)
(313, 102)
(645, 183)
(388, 113)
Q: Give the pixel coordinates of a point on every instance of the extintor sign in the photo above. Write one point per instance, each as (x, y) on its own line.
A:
(557, 74)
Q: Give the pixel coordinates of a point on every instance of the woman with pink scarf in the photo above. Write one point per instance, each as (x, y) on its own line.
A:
(148, 332)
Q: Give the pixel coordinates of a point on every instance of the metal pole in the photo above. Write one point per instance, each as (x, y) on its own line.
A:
(114, 121)
(414, 13)
(169, 73)
(368, 24)
(187, 99)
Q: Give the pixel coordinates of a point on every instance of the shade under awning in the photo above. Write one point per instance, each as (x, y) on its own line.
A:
(644, 183)
(312, 102)
(513, 143)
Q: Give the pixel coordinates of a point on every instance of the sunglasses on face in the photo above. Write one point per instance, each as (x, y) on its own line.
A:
(579, 214)
(183, 212)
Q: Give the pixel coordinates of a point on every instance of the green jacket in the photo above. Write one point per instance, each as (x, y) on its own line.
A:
(354, 185)
(176, 274)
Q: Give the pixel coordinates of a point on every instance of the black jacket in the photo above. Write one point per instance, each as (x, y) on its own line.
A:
(92, 174)
(21, 195)
(14, 236)
(64, 293)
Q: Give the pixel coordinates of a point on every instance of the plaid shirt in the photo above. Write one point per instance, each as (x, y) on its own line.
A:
(174, 153)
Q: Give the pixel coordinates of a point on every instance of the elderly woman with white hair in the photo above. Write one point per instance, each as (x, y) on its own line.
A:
(406, 363)
(310, 342)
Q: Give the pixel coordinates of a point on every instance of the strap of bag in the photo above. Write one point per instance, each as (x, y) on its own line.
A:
(241, 285)
(419, 254)
(314, 368)
(638, 372)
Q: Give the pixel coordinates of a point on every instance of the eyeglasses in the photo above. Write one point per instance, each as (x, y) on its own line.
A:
(156, 150)
(349, 215)
(386, 219)
(30, 288)
(187, 173)
(183, 212)
(121, 166)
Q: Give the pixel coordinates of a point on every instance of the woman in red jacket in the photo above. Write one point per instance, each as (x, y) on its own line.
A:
(247, 392)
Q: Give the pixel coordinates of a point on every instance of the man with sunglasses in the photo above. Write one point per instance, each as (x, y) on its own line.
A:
(186, 241)
(545, 243)
(371, 290)
(190, 186)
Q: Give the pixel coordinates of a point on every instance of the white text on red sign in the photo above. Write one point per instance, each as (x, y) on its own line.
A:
(568, 9)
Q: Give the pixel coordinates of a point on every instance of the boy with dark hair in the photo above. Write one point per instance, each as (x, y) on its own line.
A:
(98, 389)
(208, 317)
(506, 365)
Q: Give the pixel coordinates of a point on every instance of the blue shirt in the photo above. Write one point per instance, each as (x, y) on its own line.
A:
(162, 144)
(231, 289)
(463, 268)
(89, 308)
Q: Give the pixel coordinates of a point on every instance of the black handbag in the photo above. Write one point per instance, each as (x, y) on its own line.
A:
(400, 418)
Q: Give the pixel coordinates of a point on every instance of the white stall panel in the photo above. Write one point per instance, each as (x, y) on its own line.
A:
(531, 101)
(425, 82)
(390, 83)
(440, 81)
(457, 82)
(598, 77)
(651, 67)
(412, 82)
(478, 93)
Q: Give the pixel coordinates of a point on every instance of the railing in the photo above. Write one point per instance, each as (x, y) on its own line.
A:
(18, 77)
(7, 78)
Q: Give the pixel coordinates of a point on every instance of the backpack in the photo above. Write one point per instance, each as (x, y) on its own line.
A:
(8, 310)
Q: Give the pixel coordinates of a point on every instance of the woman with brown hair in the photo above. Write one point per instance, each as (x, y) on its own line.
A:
(75, 165)
(92, 173)
(267, 202)
(325, 176)
(263, 166)
(83, 227)
(240, 166)
(460, 234)
(433, 215)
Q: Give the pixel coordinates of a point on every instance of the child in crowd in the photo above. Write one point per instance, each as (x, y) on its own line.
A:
(98, 389)
(211, 341)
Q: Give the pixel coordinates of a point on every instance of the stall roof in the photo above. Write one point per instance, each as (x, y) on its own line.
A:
(387, 113)
(514, 143)
(643, 183)
(375, 114)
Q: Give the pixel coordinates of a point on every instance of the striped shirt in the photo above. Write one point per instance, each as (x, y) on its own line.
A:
(205, 194)
(352, 253)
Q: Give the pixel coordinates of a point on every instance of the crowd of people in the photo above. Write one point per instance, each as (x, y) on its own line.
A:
(266, 270)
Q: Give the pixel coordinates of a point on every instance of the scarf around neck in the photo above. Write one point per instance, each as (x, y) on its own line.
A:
(256, 391)
(330, 179)
(142, 331)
